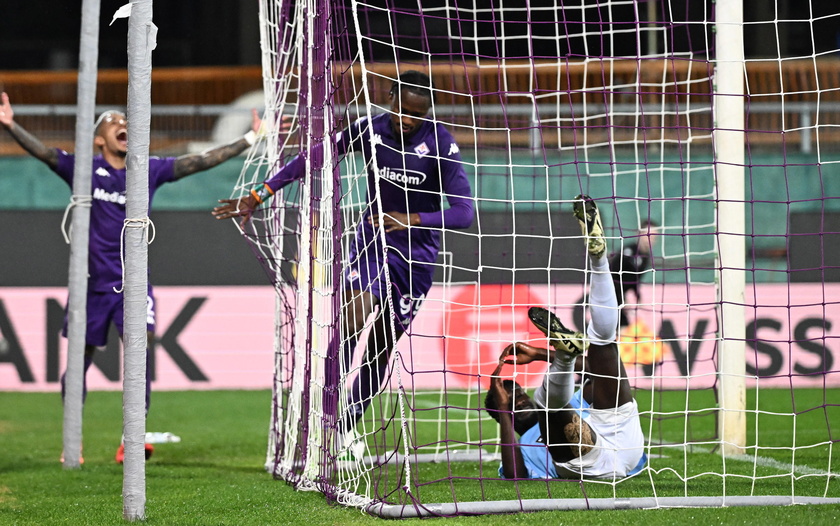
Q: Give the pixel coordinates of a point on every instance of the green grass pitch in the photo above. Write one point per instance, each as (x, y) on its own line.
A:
(216, 476)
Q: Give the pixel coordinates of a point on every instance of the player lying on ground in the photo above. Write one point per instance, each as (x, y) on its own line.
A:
(417, 163)
(595, 433)
(107, 216)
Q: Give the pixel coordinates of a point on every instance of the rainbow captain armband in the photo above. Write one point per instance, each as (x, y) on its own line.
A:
(261, 193)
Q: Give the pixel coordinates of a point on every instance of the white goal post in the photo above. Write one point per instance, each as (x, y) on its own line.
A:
(729, 173)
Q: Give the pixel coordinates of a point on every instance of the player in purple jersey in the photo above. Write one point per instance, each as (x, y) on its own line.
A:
(416, 163)
(107, 214)
(594, 433)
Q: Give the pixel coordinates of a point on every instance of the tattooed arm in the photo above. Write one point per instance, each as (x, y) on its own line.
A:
(26, 140)
(197, 162)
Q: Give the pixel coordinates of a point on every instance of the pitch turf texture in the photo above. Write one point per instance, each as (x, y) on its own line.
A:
(215, 475)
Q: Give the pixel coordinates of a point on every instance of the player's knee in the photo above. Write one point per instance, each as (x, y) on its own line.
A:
(601, 337)
(580, 436)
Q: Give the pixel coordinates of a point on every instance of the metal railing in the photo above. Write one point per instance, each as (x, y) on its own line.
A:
(177, 126)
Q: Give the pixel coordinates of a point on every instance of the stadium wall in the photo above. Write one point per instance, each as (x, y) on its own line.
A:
(786, 196)
(213, 295)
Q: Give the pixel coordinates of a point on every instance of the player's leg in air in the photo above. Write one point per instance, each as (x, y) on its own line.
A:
(568, 436)
(610, 387)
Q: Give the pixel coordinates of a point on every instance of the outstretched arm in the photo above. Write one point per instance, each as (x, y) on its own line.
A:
(513, 463)
(243, 208)
(198, 162)
(26, 140)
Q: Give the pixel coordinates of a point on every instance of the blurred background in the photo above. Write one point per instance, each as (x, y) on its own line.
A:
(207, 60)
(207, 77)
(44, 35)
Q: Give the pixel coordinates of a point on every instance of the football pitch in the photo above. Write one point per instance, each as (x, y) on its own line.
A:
(216, 476)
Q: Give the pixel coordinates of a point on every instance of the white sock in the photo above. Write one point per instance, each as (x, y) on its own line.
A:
(603, 304)
(558, 384)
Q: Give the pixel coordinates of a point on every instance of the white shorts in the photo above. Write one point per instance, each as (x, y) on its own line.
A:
(619, 445)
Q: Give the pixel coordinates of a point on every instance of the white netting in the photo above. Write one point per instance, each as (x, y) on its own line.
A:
(545, 101)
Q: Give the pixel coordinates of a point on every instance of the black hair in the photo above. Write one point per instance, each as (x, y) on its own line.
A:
(490, 404)
(416, 82)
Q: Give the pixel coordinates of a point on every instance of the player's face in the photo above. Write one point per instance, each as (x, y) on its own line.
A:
(407, 110)
(521, 400)
(114, 132)
(647, 240)
(524, 410)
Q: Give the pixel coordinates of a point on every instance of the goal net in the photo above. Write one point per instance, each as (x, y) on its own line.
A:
(702, 135)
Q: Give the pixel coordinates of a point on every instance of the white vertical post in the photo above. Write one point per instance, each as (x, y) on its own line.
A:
(141, 41)
(78, 271)
(805, 124)
(729, 172)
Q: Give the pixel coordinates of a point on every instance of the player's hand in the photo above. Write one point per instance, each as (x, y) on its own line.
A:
(497, 387)
(521, 353)
(6, 113)
(243, 207)
(260, 128)
(392, 221)
(256, 121)
(286, 123)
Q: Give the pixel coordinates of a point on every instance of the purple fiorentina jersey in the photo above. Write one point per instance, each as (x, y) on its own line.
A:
(413, 178)
(107, 213)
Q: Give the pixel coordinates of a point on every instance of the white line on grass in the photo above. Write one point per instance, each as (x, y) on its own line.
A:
(761, 461)
(782, 466)
(431, 404)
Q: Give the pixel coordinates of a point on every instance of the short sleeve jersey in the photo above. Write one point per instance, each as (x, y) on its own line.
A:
(537, 459)
(414, 175)
(107, 214)
(608, 454)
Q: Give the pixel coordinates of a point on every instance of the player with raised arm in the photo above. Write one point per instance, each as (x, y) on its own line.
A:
(107, 215)
(416, 162)
(594, 432)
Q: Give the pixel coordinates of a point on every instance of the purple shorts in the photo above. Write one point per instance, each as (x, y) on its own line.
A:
(410, 282)
(106, 307)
